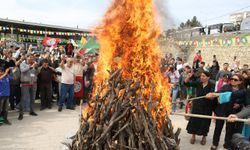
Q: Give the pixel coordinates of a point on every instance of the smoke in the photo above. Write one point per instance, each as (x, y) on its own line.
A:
(164, 17)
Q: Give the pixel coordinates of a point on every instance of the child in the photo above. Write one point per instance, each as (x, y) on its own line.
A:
(4, 94)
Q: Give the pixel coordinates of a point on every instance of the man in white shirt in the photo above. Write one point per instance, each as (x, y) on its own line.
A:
(17, 53)
(67, 84)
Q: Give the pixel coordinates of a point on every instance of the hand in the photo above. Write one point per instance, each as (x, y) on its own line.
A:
(87, 84)
(14, 70)
(236, 106)
(247, 122)
(34, 65)
(211, 95)
(23, 57)
(232, 118)
(7, 70)
(171, 85)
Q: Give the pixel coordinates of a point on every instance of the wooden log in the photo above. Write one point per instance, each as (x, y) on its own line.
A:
(145, 125)
(121, 129)
(121, 118)
(114, 74)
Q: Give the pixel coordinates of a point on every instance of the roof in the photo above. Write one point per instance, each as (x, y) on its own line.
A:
(39, 25)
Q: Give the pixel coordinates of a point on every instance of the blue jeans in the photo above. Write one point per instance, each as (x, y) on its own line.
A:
(174, 92)
(66, 89)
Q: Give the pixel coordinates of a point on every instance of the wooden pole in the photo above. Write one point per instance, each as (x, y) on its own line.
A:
(80, 119)
(196, 98)
(206, 117)
(191, 99)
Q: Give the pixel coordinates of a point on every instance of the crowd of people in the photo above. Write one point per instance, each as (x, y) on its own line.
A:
(50, 76)
(224, 92)
(47, 76)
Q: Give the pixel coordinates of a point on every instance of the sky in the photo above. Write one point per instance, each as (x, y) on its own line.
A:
(87, 13)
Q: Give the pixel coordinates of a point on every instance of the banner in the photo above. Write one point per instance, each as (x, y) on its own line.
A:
(51, 42)
(78, 87)
(226, 41)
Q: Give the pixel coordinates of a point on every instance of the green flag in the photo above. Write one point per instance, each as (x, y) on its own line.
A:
(92, 43)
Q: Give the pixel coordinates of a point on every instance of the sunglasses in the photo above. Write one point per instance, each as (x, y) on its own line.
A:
(233, 79)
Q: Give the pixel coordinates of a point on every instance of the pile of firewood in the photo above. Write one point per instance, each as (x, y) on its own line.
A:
(119, 118)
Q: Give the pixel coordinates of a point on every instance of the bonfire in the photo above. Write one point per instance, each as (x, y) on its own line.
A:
(131, 99)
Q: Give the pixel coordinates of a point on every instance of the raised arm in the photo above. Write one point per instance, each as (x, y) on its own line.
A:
(62, 64)
(189, 83)
(24, 67)
(245, 112)
(5, 74)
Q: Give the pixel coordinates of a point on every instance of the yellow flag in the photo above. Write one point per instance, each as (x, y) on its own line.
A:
(221, 42)
(83, 40)
(234, 41)
(248, 39)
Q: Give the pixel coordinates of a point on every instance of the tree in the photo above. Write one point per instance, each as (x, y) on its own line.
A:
(182, 25)
(195, 22)
(190, 23)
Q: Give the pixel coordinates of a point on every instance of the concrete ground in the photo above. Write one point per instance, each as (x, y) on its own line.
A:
(50, 128)
(180, 122)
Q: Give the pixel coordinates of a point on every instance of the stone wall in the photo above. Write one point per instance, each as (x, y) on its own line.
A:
(223, 54)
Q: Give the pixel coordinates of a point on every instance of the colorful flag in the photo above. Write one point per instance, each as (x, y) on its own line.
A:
(92, 43)
(51, 42)
(84, 51)
(83, 40)
(74, 43)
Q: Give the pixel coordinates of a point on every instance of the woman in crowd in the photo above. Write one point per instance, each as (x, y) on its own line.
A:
(199, 126)
(223, 110)
(174, 78)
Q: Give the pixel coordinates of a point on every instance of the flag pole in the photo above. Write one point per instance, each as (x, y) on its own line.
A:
(206, 117)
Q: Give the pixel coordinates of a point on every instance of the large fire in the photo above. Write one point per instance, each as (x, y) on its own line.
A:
(128, 37)
(131, 97)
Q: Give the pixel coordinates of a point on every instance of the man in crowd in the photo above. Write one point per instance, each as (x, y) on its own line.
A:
(45, 81)
(69, 48)
(197, 59)
(4, 94)
(88, 81)
(27, 68)
(15, 91)
(223, 72)
(199, 70)
(245, 67)
(67, 84)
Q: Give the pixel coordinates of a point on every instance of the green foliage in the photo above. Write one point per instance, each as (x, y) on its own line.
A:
(190, 23)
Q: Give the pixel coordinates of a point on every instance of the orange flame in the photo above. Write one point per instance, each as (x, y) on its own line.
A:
(128, 37)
